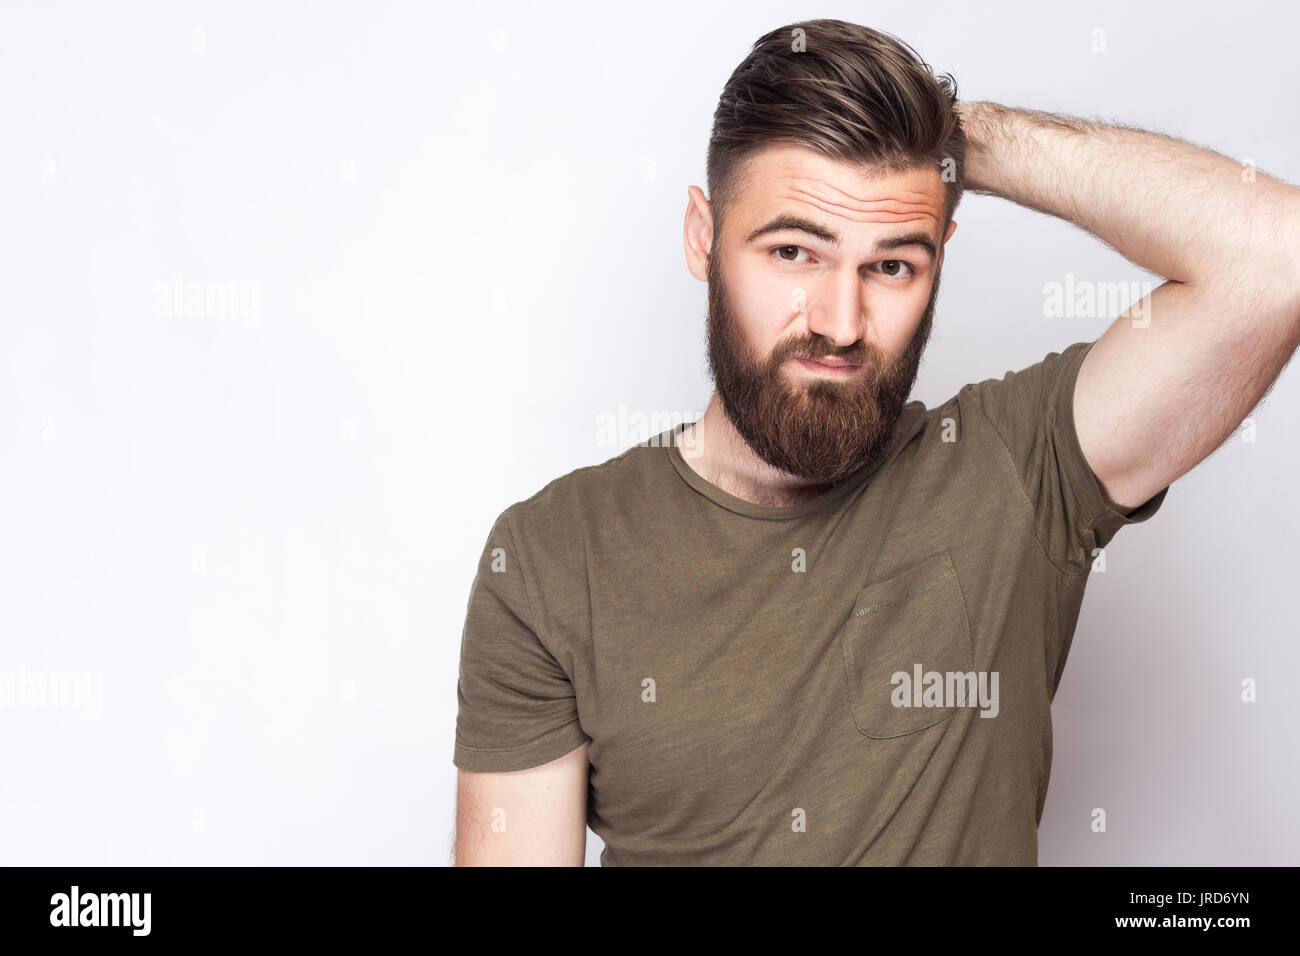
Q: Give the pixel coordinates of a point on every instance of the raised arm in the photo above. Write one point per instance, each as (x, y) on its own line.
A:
(1170, 380)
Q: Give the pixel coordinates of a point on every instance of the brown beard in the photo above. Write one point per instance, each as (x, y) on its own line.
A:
(821, 431)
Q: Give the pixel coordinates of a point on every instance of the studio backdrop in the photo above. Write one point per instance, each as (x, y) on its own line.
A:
(299, 297)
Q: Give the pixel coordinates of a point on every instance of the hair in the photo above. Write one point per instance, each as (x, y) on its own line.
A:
(850, 92)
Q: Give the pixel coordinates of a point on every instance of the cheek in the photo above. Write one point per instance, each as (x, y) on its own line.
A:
(896, 314)
(764, 304)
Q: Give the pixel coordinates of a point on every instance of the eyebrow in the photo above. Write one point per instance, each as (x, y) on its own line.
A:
(788, 223)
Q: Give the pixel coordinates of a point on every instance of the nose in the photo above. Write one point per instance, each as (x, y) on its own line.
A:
(836, 309)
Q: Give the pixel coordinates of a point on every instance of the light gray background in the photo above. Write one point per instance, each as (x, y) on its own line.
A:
(463, 223)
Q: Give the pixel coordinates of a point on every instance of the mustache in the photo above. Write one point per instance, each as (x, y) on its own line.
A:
(813, 346)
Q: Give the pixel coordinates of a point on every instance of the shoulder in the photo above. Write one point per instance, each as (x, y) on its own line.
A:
(570, 507)
(1017, 402)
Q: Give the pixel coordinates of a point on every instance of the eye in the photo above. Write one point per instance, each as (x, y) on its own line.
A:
(894, 268)
(788, 253)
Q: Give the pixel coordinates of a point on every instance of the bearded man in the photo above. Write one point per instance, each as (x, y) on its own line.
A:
(823, 624)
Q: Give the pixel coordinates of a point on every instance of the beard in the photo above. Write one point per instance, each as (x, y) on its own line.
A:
(821, 430)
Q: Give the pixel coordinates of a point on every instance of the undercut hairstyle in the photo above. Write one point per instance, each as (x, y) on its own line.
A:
(850, 92)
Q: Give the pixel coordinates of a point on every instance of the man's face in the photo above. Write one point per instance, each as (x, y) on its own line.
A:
(818, 318)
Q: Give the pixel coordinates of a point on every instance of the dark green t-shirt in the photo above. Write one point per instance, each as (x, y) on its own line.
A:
(778, 686)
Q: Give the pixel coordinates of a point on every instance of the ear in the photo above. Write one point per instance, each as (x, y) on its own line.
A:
(698, 232)
(943, 246)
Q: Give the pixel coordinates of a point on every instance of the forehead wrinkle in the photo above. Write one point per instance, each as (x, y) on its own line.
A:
(812, 187)
(888, 210)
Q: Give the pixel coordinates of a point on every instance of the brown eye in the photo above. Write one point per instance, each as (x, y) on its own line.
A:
(891, 267)
(794, 252)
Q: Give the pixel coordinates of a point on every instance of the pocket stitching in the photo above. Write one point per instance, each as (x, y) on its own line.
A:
(864, 611)
(847, 653)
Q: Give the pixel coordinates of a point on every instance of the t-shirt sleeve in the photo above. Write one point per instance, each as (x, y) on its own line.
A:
(516, 704)
(1033, 412)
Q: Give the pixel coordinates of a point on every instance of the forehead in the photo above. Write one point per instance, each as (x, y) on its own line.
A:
(791, 178)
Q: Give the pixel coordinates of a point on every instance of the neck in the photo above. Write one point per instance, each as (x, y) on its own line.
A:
(718, 454)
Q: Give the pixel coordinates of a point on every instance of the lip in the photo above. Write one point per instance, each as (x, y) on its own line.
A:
(828, 367)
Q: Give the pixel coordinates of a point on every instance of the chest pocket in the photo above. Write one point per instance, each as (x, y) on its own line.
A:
(916, 617)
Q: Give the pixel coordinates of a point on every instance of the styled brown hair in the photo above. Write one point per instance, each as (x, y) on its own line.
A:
(852, 93)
